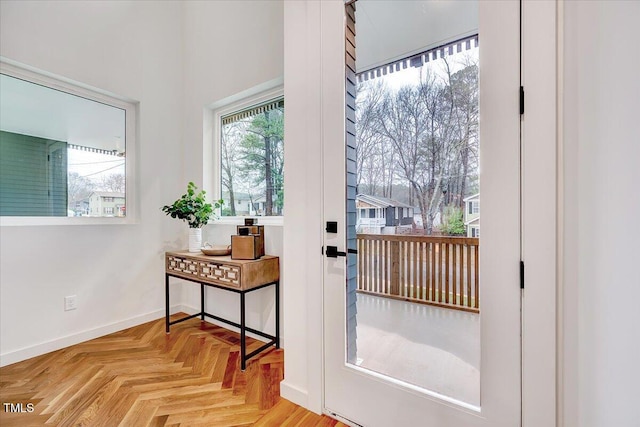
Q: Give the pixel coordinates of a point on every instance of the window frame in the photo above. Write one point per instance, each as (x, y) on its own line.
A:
(130, 106)
(258, 95)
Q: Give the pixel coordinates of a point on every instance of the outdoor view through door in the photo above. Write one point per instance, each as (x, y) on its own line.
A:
(417, 208)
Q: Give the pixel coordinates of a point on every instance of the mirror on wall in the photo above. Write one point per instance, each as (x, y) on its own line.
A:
(61, 154)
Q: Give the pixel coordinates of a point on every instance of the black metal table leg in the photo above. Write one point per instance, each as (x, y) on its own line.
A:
(278, 314)
(202, 301)
(166, 298)
(243, 344)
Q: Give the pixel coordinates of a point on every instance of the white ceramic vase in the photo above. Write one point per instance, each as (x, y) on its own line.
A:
(195, 239)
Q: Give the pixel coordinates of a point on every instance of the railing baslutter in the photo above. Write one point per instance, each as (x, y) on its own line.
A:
(440, 271)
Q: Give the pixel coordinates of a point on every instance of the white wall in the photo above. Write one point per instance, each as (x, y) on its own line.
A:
(229, 47)
(132, 49)
(601, 204)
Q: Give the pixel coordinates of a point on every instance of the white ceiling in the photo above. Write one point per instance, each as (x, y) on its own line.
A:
(35, 110)
(388, 30)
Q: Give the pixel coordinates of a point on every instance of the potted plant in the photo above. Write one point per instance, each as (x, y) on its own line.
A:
(192, 208)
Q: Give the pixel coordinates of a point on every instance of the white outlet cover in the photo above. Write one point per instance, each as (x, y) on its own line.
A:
(70, 303)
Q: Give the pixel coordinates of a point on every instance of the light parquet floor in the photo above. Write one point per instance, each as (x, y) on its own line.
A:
(143, 377)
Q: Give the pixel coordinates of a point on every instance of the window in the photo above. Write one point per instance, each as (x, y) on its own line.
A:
(108, 211)
(474, 207)
(252, 159)
(60, 145)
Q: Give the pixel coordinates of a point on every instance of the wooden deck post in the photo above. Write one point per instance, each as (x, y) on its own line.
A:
(395, 268)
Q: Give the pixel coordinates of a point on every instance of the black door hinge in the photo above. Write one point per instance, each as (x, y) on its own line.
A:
(521, 100)
(521, 274)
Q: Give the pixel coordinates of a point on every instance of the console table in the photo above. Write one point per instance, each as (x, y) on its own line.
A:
(222, 272)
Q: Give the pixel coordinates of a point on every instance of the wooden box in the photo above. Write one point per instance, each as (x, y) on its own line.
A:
(257, 230)
(245, 247)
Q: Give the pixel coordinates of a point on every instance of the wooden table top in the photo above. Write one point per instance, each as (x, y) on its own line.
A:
(223, 259)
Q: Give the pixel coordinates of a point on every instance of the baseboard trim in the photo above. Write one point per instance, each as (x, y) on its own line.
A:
(25, 353)
(15, 356)
(294, 394)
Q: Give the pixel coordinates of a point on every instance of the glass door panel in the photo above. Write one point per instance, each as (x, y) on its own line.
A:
(417, 191)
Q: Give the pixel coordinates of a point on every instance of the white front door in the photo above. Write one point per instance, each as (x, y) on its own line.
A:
(370, 397)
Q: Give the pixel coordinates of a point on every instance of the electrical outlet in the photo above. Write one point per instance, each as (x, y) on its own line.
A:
(70, 303)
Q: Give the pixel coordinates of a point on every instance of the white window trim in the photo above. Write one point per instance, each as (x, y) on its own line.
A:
(212, 130)
(34, 75)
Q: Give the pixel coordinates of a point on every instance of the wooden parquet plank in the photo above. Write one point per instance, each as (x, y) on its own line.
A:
(115, 409)
(231, 369)
(278, 415)
(143, 377)
(181, 404)
(159, 421)
(90, 411)
(220, 365)
(84, 399)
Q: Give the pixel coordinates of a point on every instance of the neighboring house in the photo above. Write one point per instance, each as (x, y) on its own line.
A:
(380, 215)
(259, 204)
(245, 203)
(80, 207)
(241, 203)
(472, 215)
(106, 203)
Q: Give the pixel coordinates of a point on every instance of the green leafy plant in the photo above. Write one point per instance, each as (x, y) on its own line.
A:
(193, 208)
(453, 221)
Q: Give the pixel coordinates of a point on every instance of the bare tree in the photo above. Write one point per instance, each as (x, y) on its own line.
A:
(368, 97)
(423, 136)
(114, 182)
(409, 125)
(462, 96)
(79, 188)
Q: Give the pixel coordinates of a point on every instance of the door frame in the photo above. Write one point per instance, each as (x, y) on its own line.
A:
(303, 322)
(540, 193)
